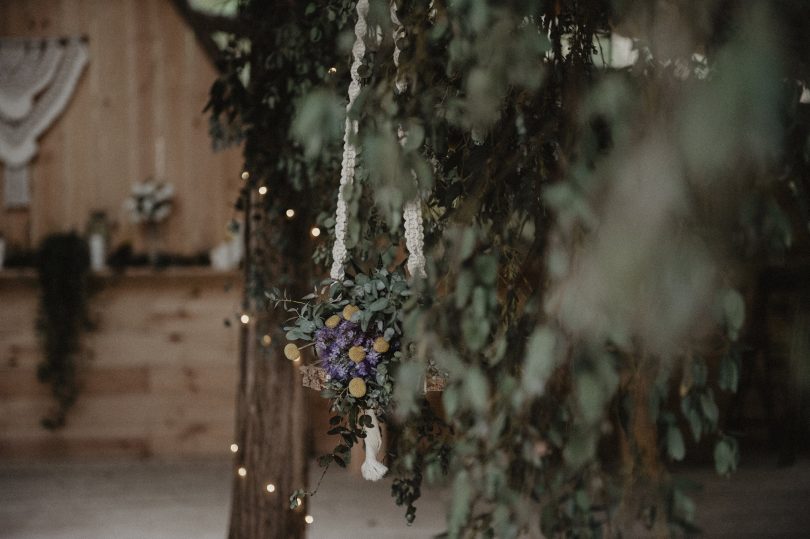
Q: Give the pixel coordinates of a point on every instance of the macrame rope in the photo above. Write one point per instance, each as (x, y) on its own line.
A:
(349, 150)
(372, 469)
(412, 211)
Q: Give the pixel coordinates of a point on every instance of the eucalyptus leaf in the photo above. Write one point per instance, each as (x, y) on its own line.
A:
(675, 444)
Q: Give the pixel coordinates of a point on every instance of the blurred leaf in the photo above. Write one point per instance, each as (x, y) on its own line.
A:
(539, 361)
(476, 390)
(734, 311)
(675, 446)
(318, 121)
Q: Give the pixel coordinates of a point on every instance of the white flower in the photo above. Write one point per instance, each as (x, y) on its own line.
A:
(150, 202)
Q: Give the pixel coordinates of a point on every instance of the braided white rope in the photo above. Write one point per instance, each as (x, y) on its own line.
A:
(349, 150)
(412, 211)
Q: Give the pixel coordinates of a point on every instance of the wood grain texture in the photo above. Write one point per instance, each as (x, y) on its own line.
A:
(147, 81)
(159, 370)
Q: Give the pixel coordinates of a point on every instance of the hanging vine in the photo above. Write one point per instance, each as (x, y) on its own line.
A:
(63, 265)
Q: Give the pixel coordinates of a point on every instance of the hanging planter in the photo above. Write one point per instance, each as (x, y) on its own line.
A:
(355, 327)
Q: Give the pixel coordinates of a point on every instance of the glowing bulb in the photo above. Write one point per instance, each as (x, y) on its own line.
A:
(332, 70)
(298, 502)
(263, 190)
(290, 213)
(315, 231)
(245, 175)
(308, 519)
(234, 448)
(244, 319)
(242, 471)
(266, 340)
(270, 487)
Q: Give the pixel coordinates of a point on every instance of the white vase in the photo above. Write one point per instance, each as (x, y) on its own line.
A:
(98, 252)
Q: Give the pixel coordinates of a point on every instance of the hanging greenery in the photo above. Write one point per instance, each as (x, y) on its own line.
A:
(63, 266)
(589, 222)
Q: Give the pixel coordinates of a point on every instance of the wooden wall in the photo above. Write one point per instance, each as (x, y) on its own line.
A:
(145, 86)
(160, 376)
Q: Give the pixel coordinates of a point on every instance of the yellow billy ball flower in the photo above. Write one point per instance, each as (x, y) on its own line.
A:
(357, 388)
(291, 351)
(381, 346)
(357, 353)
(349, 310)
(332, 321)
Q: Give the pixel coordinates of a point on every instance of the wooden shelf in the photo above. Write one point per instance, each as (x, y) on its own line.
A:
(172, 272)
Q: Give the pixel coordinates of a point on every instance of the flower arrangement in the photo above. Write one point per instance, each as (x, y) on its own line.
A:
(355, 328)
(150, 202)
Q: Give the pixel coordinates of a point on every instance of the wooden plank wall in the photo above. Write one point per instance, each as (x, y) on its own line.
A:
(160, 375)
(145, 86)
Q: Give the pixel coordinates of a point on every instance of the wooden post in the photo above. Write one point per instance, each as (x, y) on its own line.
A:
(271, 424)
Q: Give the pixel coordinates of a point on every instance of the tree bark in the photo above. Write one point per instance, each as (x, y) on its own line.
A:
(271, 426)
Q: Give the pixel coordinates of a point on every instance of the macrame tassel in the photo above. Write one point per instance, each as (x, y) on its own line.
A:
(372, 469)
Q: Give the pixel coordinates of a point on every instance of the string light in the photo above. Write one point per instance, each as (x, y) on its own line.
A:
(298, 502)
(234, 448)
(266, 340)
(244, 318)
(242, 471)
(308, 519)
(263, 190)
(290, 213)
(245, 175)
(270, 487)
(332, 70)
(315, 231)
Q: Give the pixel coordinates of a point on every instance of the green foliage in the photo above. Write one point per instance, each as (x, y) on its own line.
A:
(63, 265)
(580, 225)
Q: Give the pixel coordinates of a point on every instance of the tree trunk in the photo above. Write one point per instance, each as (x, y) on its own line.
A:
(271, 426)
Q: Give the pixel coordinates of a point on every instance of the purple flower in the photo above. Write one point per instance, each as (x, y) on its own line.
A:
(332, 346)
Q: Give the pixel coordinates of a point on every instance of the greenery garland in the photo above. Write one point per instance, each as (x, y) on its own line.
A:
(63, 266)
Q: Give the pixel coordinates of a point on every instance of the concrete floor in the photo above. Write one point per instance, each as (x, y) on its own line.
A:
(189, 500)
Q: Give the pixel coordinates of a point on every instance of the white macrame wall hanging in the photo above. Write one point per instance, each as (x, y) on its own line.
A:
(37, 79)
(372, 469)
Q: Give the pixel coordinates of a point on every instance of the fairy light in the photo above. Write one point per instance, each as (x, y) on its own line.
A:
(332, 70)
(315, 231)
(270, 487)
(245, 319)
(234, 448)
(263, 190)
(298, 502)
(266, 340)
(308, 519)
(290, 213)
(242, 471)
(245, 175)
